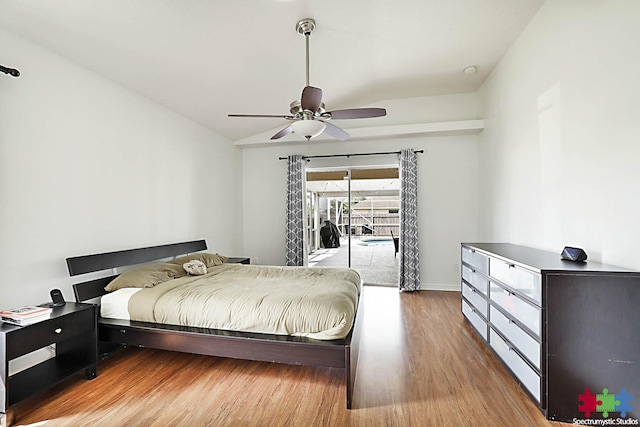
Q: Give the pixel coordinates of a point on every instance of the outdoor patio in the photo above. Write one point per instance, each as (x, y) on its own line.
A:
(372, 257)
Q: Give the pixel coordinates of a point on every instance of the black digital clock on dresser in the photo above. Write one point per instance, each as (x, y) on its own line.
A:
(71, 329)
(567, 331)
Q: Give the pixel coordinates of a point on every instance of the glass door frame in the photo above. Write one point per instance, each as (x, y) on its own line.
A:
(348, 177)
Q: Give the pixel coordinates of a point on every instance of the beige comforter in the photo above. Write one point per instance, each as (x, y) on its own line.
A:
(318, 303)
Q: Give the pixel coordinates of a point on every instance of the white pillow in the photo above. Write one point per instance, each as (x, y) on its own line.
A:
(195, 267)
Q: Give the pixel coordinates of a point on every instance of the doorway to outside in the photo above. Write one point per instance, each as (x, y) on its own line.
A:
(352, 220)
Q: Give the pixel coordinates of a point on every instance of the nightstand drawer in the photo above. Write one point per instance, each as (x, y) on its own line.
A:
(38, 335)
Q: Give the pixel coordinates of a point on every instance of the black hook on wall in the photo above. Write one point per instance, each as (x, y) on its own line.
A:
(11, 71)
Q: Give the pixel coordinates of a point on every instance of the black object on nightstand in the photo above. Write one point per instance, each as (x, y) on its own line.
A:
(72, 328)
(57, 299)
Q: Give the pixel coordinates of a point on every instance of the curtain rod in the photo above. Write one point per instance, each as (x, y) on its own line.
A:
(350, 155)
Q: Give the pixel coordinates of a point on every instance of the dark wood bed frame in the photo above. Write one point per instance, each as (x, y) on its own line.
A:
(341, 353)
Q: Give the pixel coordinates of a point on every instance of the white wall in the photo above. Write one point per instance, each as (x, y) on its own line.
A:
(560, 152)
(447, 187)
(87, 166)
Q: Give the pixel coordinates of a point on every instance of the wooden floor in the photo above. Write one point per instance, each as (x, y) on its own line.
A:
(420, 365)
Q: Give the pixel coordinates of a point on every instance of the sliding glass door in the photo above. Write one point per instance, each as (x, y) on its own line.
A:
(353, 218)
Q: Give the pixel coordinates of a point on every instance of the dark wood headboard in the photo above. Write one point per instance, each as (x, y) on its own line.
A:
(98, 262)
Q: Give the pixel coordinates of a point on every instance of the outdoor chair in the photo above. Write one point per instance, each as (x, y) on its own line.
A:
(396, 243)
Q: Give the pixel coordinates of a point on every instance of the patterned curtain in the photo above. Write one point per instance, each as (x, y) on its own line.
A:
(409, 251)
(295, 249)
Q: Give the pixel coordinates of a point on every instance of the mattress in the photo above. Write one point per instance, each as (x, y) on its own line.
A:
(313, 302)
(115, 305)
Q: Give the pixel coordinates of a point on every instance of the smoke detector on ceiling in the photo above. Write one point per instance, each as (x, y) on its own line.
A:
(470, 70)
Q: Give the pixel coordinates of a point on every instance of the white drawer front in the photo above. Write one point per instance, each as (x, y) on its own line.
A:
(477, 321)
(475, 298)
(478, 260)
(519, 338)
(478, 281)
(525, 374)
(527, 314)
(524, 281)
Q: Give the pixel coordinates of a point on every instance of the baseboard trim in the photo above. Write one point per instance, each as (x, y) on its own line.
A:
(427, 286)
(440, 287)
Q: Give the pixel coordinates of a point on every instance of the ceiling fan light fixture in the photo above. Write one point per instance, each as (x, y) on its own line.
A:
(308, 128)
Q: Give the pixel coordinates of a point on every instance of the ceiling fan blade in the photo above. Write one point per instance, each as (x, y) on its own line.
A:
(270, 116)
(335, 132)
(283, 132)
(311, 98)
(357, 113)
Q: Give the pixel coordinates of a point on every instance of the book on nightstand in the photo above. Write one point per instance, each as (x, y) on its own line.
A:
(25, 315)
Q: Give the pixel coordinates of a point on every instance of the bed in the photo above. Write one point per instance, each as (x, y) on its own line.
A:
(256, 343)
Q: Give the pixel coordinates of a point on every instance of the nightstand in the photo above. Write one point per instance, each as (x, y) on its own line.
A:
(238, 260)
(71, 329)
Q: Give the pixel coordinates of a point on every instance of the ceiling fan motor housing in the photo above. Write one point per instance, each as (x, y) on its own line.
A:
(295, 107)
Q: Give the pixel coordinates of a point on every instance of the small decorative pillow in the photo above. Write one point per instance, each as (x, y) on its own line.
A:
(195, 267)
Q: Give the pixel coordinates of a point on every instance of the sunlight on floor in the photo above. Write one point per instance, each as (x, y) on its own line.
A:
(320, 255)
(39, 423)
(374, 258)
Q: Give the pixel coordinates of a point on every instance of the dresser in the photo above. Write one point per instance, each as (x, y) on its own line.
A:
(566, 331)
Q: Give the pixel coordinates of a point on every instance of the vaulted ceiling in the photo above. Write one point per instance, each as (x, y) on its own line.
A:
(205, 59)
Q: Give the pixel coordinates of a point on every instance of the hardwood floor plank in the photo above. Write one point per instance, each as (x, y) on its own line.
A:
(420, 365)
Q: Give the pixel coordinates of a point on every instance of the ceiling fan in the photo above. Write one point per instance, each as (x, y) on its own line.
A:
(308, 115)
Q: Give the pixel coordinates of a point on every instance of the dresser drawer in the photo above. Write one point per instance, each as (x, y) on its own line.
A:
(526, 313)
(38, 335)
(519, 279)
(475, 298)
(477, 259)
(524, 373)
(525, 344)
(477, 279)
(478, 322)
